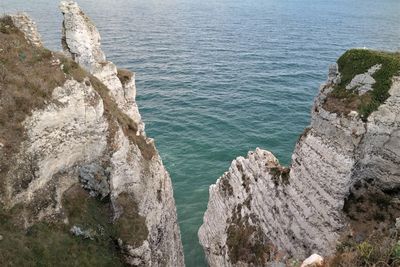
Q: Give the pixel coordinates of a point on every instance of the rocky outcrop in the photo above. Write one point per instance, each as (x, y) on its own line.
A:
(259, 210)
(314, 260)
(88, 134)
(363, 82)
(81, 40)
(24, 23)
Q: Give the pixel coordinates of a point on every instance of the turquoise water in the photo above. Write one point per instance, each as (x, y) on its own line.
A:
(216, 78)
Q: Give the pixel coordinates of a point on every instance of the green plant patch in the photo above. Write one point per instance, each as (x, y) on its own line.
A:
(130, 226)
(358, 61)
(50, 244)
(28, 76)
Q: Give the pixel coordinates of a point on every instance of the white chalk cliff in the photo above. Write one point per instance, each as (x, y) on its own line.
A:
(81, 40)
(258, 208)
(90, 134)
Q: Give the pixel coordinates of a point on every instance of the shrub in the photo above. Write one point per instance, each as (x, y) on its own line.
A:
(365, 250)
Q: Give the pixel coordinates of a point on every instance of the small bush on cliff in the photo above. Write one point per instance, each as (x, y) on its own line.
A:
(124, 75)
(6, 25)
(358, 61)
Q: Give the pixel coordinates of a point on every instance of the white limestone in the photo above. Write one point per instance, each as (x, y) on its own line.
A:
(74, 131)
(314, 260)
(24, 23)
(303, 215)
(81, 40)
(363, 83)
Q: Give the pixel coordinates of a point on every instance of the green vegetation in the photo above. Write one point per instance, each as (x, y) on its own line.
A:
(28, 76)
(246, 242)
(358, 61)
(378, 250)
(131, 227)
(372, 239)
(51, 244)
(88, 212)
(280, 175)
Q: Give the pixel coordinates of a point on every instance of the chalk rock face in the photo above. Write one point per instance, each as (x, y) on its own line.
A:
(81, 40)
(363, 82)
(258, 207)
(90, 135)
(61, 136)
(379, 152)
(314, 260)
(24, 23)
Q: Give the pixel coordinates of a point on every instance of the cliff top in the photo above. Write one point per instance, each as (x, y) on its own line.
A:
(29, 73)
(364, 81)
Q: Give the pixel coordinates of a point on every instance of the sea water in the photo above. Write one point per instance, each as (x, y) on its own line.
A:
(217, 78)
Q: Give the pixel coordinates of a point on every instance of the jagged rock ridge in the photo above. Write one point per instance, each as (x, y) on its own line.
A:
(300, 212)
(80, 128)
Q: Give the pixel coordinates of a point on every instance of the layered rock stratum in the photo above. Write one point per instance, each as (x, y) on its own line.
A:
(259, 209)
(75, 156)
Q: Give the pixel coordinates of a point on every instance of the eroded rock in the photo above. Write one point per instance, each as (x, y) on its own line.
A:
(301, 211)
(81, 40)
(25, 24)
(87, 132)
(314, 260)
(363, 83)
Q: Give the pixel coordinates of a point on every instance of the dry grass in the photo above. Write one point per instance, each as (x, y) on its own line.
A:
(344, 105)
(124, 75)
(129, 127)
(357, 61)
(246, 242)
(225, 186)
(372, 239)
(28, 76)
(280, 175)
(51, 244)
(130, 226)
(25, 85)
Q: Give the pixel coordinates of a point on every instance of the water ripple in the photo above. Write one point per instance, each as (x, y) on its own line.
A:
(218, 78)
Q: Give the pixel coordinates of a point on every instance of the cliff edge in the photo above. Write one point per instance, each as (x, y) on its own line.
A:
(81, 183)
(343, 165)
